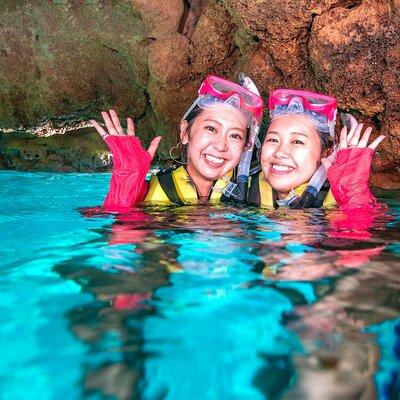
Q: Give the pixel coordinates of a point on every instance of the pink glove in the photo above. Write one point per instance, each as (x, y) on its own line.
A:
(131, 164)
(349, 177)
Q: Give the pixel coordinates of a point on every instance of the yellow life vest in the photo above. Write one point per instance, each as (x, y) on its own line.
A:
(262, 194)
(176, 187)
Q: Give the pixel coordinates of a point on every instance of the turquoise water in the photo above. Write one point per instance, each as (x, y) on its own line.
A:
(193, 302)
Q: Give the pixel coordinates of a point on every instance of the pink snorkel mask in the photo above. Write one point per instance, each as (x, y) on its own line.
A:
(321, 109)
(215, 90)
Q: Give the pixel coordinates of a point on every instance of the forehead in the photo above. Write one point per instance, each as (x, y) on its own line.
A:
(224, 114)
(293, 123)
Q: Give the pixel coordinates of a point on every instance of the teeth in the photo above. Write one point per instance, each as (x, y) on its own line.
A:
(282, 168)
(213, 159)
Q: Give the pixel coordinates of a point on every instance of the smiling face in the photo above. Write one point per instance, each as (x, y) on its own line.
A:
(291, 153)
(216, 140)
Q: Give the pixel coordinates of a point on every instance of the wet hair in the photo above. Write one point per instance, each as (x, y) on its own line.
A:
(196, 112)
(326, 140)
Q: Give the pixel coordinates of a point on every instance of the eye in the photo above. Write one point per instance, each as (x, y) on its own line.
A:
(237, 136)
(297, 141)
(211, 128)
(271, 139)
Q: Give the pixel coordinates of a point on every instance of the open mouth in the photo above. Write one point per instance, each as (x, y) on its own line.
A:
(214, 160)
(281, 169)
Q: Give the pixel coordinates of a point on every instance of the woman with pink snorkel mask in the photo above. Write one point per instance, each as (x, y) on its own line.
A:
(215, 131)
(295, 155)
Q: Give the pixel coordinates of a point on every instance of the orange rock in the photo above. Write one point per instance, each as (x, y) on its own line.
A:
(72, 59)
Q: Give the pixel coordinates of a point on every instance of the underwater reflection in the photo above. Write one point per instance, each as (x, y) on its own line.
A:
(228, 303)
(342, 359)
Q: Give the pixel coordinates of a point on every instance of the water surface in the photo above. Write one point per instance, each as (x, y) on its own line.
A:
(193, 302)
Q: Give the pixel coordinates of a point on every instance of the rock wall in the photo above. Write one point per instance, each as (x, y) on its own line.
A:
(63, 61)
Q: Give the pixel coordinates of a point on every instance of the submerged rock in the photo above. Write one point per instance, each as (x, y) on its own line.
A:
(67, 59)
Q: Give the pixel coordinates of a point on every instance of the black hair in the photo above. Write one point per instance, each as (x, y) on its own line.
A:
(196, 112)
(326, 140)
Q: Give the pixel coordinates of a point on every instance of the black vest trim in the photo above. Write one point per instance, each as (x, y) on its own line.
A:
(167, 184)
(321, 195)
(254, 196)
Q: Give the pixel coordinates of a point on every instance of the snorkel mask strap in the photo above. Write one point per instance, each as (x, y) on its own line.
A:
(190, 109)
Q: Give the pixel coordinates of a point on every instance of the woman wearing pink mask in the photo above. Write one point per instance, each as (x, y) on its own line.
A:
(215, 131)
(294, 156)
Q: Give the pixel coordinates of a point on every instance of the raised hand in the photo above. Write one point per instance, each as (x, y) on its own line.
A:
(114, 128)
(131, 162)
(350, 138)
(349, 174)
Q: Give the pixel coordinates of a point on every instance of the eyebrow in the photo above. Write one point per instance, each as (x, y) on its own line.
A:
(219, 123)
(292, 133)
(212, 120)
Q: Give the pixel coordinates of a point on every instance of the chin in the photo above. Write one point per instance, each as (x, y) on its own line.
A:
(211, 176)
(281, 190)
(278, 186)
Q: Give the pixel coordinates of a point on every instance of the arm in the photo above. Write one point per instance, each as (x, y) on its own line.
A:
(349, 174)
(131, 163)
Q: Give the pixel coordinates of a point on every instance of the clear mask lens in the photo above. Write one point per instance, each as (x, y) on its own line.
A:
(296, 107)
(233, 101)
(208, 101)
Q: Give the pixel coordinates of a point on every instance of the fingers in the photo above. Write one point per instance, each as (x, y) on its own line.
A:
(115, 120)
(364, 139)
(109, 124)
(114, 125)
(355, 137)
(131, 127)
(376, 142)
(352, 121)
(99, 128)
(343, 139)
(326, 163)
(153, 146)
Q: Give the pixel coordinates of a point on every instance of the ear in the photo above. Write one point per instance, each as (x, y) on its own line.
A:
(248, 145)
(327, 153)
(184, 132)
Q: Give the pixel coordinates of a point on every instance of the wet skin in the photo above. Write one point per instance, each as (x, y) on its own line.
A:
(215, 142)
(291, 153)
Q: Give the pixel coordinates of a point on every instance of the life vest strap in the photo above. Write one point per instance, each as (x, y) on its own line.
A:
(254, 191)
(322, 195)
(167, 184)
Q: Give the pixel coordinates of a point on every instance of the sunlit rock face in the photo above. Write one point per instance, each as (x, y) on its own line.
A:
(64, 61)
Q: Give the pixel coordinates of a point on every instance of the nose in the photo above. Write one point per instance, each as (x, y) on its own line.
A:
(220, 143)
(281, 151)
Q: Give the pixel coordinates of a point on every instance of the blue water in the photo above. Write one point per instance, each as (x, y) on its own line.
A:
(193, 302)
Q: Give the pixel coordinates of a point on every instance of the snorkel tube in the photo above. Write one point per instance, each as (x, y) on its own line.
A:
(310, 194)
(238, 190)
